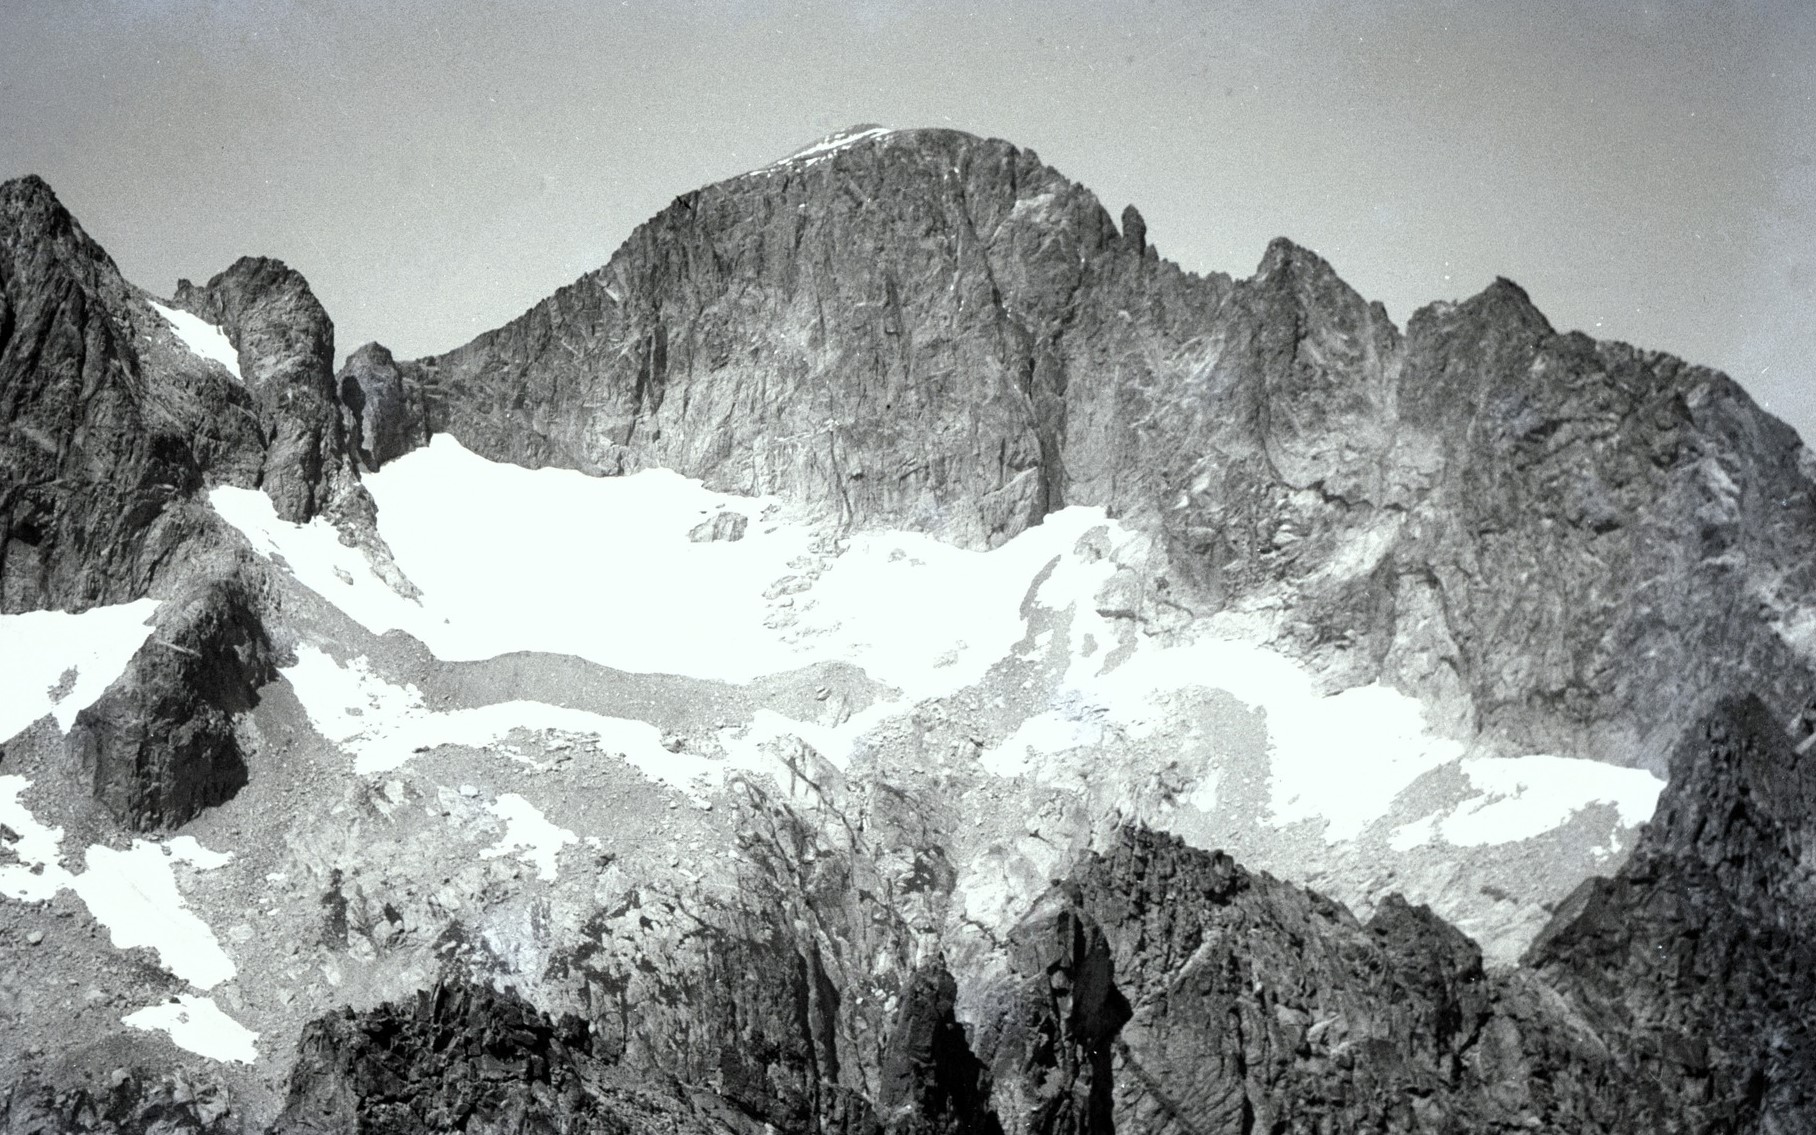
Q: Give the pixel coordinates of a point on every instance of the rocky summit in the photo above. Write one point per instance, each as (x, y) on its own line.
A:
(889, 652)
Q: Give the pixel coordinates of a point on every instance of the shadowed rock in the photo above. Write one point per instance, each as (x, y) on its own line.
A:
(159, 745)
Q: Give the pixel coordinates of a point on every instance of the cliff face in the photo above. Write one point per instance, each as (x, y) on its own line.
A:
(100, 454)
(929, 330)
(159, 746)
(114, 425)
(285, 343)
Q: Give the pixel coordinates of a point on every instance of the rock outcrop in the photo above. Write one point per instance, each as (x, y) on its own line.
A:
(113, 426)
(1696, 965)
(285, 342)
(1167, 990)
(159, 746)
(102, 450)
(129, 1102)
(385, 417)
(465, 1058)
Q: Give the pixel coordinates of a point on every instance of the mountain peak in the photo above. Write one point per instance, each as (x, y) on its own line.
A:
(838, 140)
(1283, 255)
(29, 205)
(26, 188)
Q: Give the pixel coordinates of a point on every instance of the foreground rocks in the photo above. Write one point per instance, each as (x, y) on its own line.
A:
(130, 1102)
(1163, 989)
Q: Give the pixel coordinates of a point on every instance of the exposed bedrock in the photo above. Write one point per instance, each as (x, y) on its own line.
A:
(285, 342)
(112, 426)
(160, 744)
(385, 417)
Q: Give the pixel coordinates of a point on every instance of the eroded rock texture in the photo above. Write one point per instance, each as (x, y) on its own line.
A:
(385, 418)
(467, 1059)
(113, 429)
(129, 1102)
(1163, 989)
(113, 426)
(1697, 963)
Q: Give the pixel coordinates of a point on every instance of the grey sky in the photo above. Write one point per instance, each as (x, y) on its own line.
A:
(1646, 171)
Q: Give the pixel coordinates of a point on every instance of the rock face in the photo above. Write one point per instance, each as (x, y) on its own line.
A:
(113, 429)
(1559, 545)
(285, 342)
(465, 1059)
(113, 426)
(1697, 964)
(129, 1103)
(102, 450)
(930, 330)
(159, 746)
(385, 417)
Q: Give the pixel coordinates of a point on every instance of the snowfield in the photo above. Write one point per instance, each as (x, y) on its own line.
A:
(602, 568)
(552, 560)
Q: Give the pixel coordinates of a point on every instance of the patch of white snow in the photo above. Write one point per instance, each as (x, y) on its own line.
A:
(38, 648)
(198, 1025)
(383, 725)
(528, 829)
(133, 893)
(204, 339)
(831, 144)
(1522, 797)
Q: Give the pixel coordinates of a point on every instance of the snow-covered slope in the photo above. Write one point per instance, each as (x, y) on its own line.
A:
(511, 562)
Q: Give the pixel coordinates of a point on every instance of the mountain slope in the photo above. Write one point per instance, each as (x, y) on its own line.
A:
(927, 330)
(852, 756)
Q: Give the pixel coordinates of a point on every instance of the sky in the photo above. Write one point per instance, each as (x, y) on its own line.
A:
(1647, 172)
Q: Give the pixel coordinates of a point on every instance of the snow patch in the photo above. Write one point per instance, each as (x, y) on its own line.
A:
(59, 662)
(315, 556)
(198, 1025)
(527, 828)
(830, 145)
(602, 568)
(204, 339)
(1522, 797)
(133, 893)
(37, 875)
